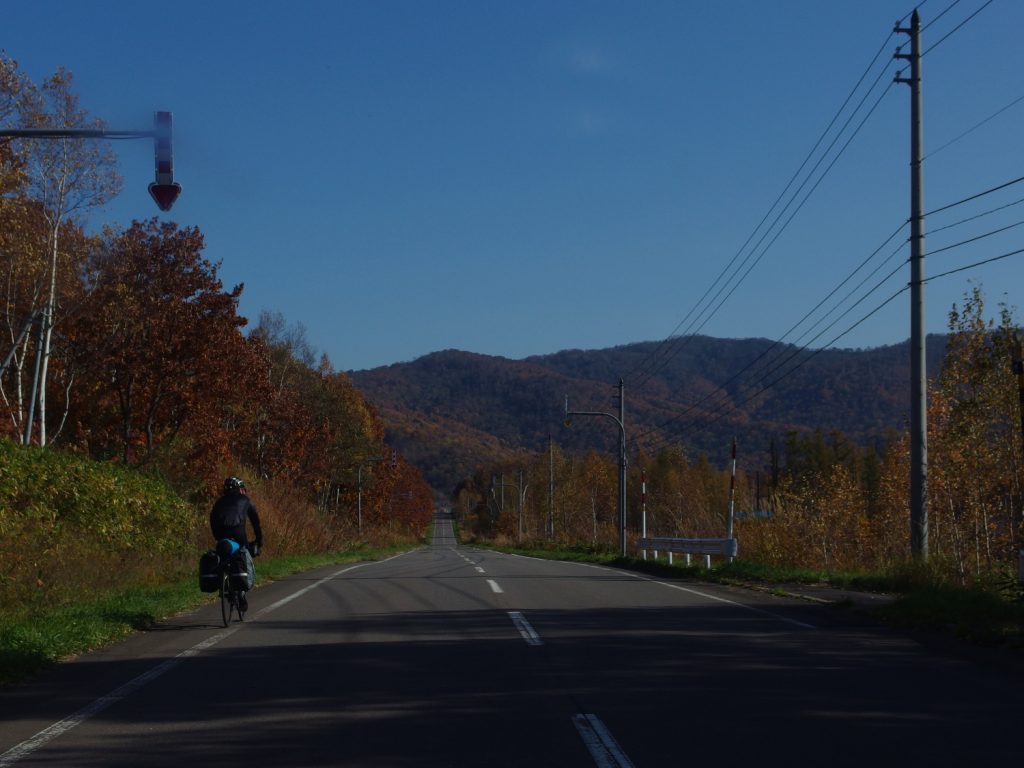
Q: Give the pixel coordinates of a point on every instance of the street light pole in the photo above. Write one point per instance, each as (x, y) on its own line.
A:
(620, 420)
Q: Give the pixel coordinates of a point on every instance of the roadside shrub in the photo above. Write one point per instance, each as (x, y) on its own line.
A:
(69, 526)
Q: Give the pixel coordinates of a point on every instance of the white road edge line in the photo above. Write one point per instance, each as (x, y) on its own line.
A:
(525, 629)
(30, 745)
(601, 744)
(800, 624)
(494, 586)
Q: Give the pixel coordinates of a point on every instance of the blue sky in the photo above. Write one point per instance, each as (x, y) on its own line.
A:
(517, 178)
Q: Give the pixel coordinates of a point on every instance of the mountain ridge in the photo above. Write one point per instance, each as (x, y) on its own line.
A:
(451, 411)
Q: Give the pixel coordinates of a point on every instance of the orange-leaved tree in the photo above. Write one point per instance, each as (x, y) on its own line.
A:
(163, 343)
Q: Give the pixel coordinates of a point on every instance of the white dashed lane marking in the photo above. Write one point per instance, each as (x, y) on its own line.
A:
(602, 745)
(528, 632)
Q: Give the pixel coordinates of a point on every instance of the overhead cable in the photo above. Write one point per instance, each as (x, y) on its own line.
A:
(779, 232)
(974, 128)
(974, 265)
(955, 29)
(782, 194)
(769, 371)
(977, 216)
(975, 239)
(942, 13)
(975, 197)
(655, 445)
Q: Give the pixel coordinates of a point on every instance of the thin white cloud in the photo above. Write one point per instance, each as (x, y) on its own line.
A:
(587, 61)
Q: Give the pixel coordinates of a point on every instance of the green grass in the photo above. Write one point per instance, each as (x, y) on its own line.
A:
(978, 615)
(32, 641)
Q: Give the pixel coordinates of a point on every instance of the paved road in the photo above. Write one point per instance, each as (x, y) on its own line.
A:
(452, 656)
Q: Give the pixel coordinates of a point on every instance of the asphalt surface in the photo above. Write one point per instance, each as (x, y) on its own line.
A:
(454, 656)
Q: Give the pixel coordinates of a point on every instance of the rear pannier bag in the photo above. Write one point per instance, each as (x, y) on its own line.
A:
(242, 571)
(209, 572)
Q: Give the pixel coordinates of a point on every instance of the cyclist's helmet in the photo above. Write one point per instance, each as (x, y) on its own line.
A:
(234, 485)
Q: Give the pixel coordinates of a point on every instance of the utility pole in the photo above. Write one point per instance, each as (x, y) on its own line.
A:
(621, 422)
(918, 363)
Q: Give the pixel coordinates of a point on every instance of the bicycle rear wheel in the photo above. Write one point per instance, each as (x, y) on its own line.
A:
(225, 599)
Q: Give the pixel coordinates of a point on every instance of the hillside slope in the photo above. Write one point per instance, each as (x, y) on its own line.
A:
(451, 411)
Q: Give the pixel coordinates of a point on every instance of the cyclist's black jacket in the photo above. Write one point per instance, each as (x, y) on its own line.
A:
(227, 520)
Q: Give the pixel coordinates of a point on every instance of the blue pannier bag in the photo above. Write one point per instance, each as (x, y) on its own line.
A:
(209, 572)
(226, 548)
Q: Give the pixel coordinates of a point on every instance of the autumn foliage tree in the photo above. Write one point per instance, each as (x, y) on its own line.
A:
(975, 445)
(829, 504)
(159, 347)
(126, 346)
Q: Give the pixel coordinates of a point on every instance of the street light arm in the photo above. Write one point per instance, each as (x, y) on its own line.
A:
(164, 190)
(73, 133)
(611, 416)
(620, 421)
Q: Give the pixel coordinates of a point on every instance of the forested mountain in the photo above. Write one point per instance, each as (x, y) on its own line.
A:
(451, 411)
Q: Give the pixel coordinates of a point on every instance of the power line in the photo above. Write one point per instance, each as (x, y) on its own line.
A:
(852, 291)
(767, 371)
(804, 347)
(779, 232)
(974, 265)
(974, 128)
(792, 355)
(665, 441)
(653, 355)
(946, 10)
(978, 216)
(975, 196)
(665, 361)
(955, 29)
(832, 293)
(839, 304)
(975, 239)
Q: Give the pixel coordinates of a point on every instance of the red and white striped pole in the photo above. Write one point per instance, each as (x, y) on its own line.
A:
(643, 507)
(732, 492)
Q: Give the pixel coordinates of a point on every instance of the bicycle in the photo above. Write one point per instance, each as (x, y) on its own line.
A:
(232, 599)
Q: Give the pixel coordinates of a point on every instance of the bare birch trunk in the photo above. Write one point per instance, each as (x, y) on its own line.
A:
(48, 322)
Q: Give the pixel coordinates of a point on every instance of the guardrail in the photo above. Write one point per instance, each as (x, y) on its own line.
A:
(707, 547)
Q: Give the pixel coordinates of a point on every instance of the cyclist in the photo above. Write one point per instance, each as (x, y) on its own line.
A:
(227, 521)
